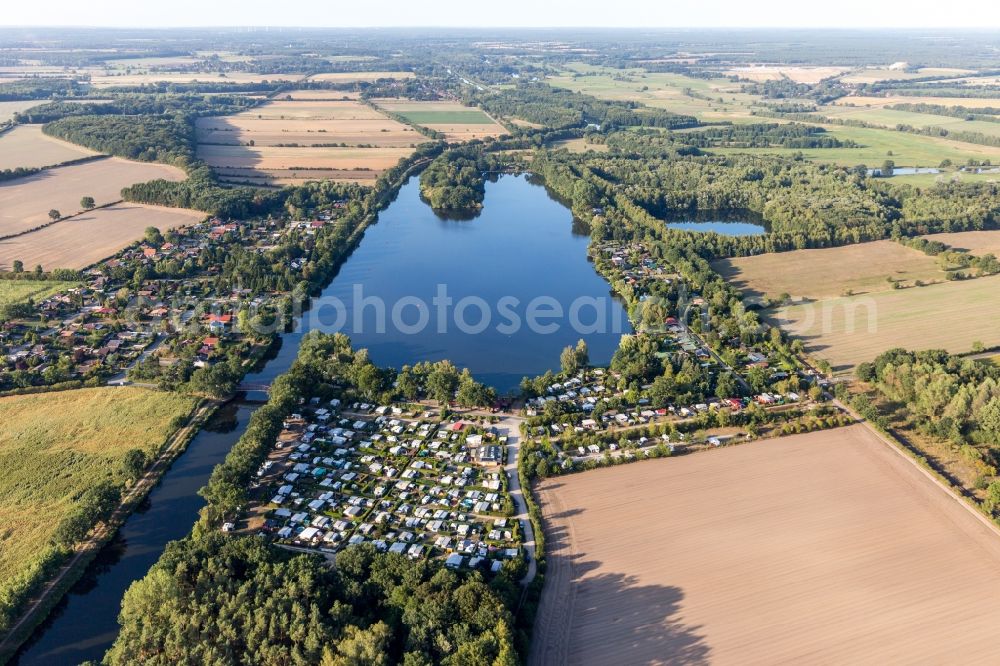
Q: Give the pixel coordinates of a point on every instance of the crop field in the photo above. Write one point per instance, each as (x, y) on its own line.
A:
(777, 72)
(8, 109)
(977, 243)
(849, 330)
(891, 117)
(969, 102)
(312, 95)
(304, 140)
(26, 146)
(54, 446)
(826, 272)
(352, 77)
(715, 99)
(876, 74)
(830, 543)
(19, 291)
(25, 202)
(906, 149)
(104, 80)
(89, 237)
(455, 121)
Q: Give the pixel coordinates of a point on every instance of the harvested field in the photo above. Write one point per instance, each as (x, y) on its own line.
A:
(266, 158)
(455, 121)
(26, 146)
(968, 102)
(25, 202)
(89, 237)
(311, 95)
(977, 243)
(829, 272)
(876, 74)
(322, 139)
(350, 77)
(54, 446)
(777, 72)
(829, 544)
(847, 331)
(8, 109)
(130, 80)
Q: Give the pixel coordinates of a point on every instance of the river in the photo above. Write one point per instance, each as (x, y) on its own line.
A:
(522, 246)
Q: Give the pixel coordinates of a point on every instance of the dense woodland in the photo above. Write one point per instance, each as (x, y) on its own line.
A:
(220, 600)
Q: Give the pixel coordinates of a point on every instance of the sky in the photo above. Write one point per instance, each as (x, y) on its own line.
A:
(508, 13)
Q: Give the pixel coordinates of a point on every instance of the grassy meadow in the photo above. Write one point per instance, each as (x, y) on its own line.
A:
(54, 446)
(19, 291)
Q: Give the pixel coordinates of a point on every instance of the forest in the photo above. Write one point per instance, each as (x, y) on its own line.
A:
(214, 599)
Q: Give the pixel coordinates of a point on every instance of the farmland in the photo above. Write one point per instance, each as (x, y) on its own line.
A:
(90, 237)
(849, 330)
(977, 243)
(778, 72)
(292, 141)
(836, 545)
(708, 99)
(54, 446)
(25, 202)
(125, 79)
(19, 291)
(8, 109)
(26, 146)
(876, 144)
(353, 77)
(827, 272)
(455, 121)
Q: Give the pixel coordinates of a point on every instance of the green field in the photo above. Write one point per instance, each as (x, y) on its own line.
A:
(661, 90)
(890, 118)
(18, 291)
(878, 145)
(54, 446)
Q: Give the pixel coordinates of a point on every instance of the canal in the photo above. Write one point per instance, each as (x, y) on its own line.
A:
(522, 251)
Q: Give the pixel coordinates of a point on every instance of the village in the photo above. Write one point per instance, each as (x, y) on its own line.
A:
(157, 310)
(406, 478)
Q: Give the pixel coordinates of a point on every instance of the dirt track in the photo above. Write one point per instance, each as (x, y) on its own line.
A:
(829, 547)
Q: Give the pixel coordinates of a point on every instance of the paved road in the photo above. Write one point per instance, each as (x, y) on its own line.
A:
(511, 426)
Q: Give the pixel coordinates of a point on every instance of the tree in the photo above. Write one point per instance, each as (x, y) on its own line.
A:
(54, 214)
(18, 266)
(153, 236)
(582, 353)
(442, 382)
(569, 361)
(87, 203)
(888, 168)
(725, 387)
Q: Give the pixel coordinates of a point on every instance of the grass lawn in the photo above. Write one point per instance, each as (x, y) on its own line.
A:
(18, 291)
(53, 446)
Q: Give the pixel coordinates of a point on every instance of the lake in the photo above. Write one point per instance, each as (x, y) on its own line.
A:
(483, 292)
(522, 246)
(727, 223)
